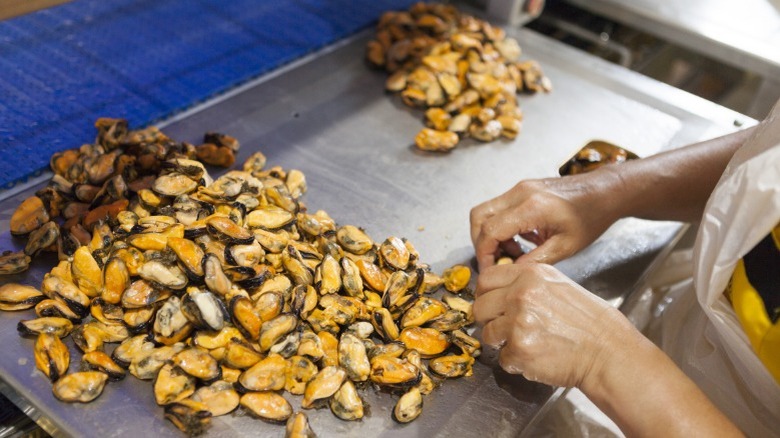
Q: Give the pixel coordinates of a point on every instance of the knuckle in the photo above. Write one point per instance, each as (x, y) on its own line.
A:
(475, 214)
(489, 335)
(537, 200)
(516, 300)
(536, 270)
(483, 280)
(527, 186)
(478, 310)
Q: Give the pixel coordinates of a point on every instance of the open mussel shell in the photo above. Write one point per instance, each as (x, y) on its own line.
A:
(82, 387)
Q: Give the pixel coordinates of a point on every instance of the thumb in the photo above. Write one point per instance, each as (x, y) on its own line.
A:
(550, 252)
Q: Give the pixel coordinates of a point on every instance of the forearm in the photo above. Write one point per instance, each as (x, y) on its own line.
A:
(673, 185)
(645, 394)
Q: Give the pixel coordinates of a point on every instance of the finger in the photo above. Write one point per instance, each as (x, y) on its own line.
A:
(509, 361)
(477, 217)
(496, 332)
(495, 277)
(485, 211)
(497, 229)
(490, 305)
(553, 250)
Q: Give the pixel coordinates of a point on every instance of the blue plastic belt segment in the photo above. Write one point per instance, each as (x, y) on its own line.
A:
(64, 67)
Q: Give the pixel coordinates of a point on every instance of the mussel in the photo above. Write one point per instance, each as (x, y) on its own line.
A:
(14, 296)
(82, 387)
(51, 356)
(267, 405)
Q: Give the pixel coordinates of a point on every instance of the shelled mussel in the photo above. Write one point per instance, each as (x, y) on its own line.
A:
(225, 292)
(465, 72)
(98, 181)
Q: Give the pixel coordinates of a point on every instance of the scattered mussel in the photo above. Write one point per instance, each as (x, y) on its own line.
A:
(121, 170)
(465, 72)
(225, 293)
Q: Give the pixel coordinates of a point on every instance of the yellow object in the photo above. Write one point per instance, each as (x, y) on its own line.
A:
(750, 306)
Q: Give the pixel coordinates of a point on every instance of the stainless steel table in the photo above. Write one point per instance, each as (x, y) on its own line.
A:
(745, 33)
(329, 116)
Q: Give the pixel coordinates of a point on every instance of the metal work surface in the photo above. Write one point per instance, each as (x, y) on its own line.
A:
(330, 118)
(743, 33)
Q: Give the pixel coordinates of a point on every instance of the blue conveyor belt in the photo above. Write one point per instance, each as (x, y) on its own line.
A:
(62, 68)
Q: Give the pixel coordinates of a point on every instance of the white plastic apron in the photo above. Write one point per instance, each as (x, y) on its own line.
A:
(699, 329)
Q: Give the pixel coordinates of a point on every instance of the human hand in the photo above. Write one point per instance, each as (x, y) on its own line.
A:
(560, 215)
(549, 329)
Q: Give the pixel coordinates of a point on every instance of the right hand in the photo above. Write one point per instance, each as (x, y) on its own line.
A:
(560, 215)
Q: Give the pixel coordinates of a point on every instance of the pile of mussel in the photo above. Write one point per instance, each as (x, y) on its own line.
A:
(464, 71)
(228, 293)
(95, 182)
